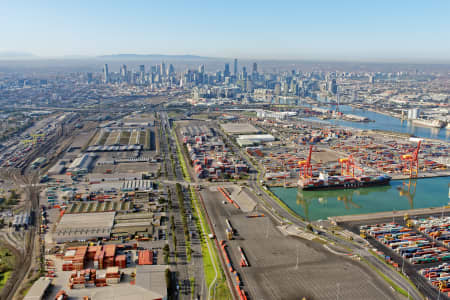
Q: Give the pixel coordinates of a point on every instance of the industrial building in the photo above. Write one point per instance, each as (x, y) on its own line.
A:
(279, 115)
(82, 164)
(21, 220)
(58, 168)
(239, 128)
(252, 139)
(84, 226)
(114, 148)
(39, 289)
(138, 185)
(136, 224)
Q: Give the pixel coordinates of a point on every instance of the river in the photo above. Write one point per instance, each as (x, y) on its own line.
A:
(385, 122)
(399, 195)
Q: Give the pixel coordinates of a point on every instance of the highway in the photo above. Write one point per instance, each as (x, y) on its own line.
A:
(185, 269)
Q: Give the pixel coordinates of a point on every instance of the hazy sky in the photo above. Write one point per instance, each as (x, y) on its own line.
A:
(297, 29)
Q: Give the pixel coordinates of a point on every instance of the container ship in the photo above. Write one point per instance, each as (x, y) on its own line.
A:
(326, 182)
(429, 123)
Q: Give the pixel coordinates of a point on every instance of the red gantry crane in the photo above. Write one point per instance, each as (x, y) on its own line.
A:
(411, 162)
(305, 166)
(348, 166)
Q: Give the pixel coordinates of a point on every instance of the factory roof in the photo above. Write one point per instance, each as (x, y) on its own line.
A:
(84, 226)
(239, 128)
(38, 289)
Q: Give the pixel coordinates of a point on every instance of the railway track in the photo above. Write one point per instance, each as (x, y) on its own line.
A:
(29, 178)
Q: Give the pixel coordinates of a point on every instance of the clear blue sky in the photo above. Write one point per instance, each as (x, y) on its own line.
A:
(328, 29)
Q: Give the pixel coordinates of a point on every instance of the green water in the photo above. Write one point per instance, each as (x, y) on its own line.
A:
(399, 195)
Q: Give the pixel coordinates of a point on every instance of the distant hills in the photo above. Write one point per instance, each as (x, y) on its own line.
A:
(153, 57)
(15, 54)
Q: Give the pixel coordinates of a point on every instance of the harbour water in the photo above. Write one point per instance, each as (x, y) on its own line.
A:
(399, 195)
(385, 122)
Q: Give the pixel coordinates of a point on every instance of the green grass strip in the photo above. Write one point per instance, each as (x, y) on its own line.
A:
(221, 291)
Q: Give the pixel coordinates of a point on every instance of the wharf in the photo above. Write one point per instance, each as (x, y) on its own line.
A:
(390, 214)
(423, 175)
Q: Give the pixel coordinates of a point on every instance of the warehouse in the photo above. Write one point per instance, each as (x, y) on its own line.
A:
(256, 138)
(58, 168)
(114, 148)
(39, 289)
(135, 224)
(139, 185)
(21, 220)
(84, 226)
(239, 128)
(82, 164)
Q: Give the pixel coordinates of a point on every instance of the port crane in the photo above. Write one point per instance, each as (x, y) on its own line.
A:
(348, 166)
(305, 165)
(411, 162)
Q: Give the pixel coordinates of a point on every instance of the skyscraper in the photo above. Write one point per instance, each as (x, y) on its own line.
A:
(163, 69)
(105, 74)
(171, 70)
(235, 71)
(142, 74)
(89, 77)
(255, 68)
(123, 73)
(201, 69)
(226, 73)
(332, 86)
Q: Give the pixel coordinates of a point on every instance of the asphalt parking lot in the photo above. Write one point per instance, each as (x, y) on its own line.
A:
(274, 272)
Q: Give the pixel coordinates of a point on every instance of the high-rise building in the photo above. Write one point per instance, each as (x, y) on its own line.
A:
(244, 73)
(201, 69)
(163, 69)
(123, 73)
(105, 74)
(255, 68)
(142, 74)
(235, 71)
(332, 87)
(226, 73)
(89, 77)
(171, 70)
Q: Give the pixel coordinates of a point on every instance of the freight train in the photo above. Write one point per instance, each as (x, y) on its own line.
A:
(326, 182)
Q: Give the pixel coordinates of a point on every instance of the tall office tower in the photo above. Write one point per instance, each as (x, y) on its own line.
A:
(123, 73)
(226, 73)
(332, 87)
(89, 77)
(105, 74)
(244, 73)
(255, 68)
(235, 71)
(141, 74)
(171, 70)
(163, 69)
(201, 69)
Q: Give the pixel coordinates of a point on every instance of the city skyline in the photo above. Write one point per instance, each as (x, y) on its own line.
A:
(348, 31)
